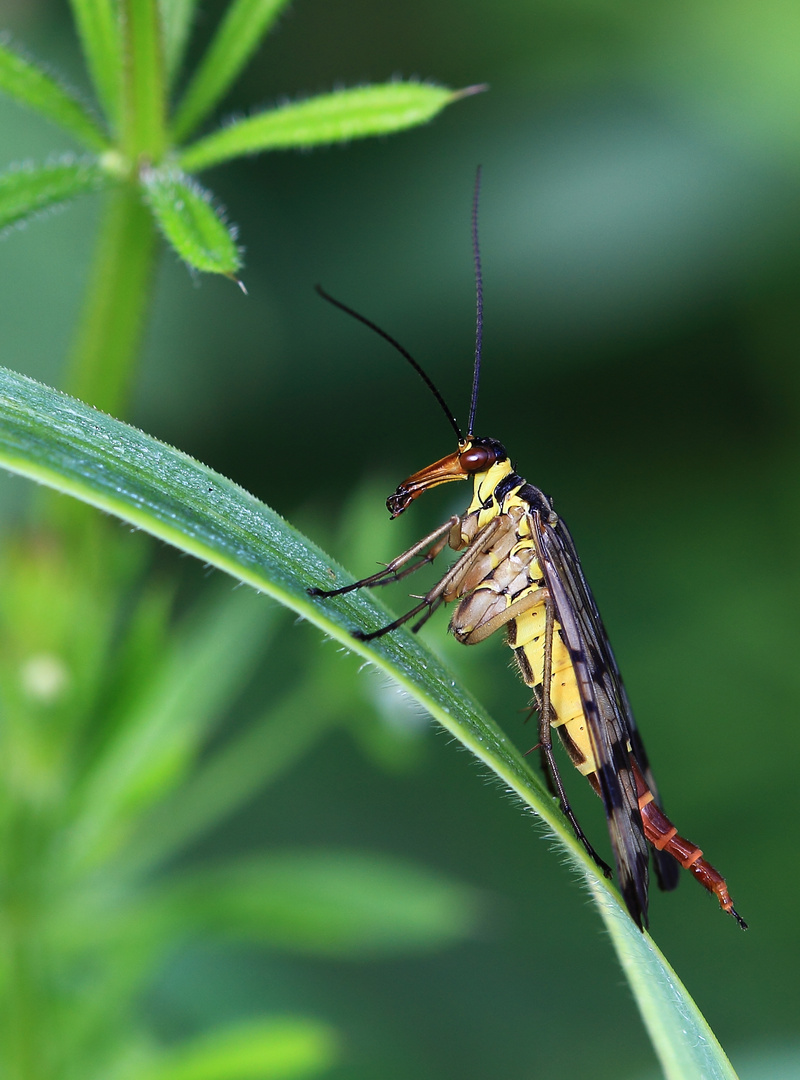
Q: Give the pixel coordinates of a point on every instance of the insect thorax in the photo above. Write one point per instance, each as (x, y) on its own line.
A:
(500, 490)
(503, 566)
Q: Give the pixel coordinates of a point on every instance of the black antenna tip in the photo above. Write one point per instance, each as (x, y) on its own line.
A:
(476, 253)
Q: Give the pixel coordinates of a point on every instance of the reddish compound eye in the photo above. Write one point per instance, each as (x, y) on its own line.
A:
(477, 458)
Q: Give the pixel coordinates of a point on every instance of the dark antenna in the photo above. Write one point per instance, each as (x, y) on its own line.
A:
(403, 352)
(476, 252)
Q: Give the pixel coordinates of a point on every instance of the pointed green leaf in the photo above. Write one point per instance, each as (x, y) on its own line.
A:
(327, 903)
(26, 190)
(289, 1048)
(71, 447)
(330, 118)
(176, 19)
(99, 31)
(190, 222)
(28, 85)
(245, 22)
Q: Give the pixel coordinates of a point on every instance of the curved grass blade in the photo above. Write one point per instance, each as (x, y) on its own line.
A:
(686, 1046)
(73, 448)
(329, 118)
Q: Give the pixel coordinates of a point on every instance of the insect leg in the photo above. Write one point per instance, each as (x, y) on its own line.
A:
(536, 710)
(546, 716)
(438, 594)
(485, 629)
(392, 572)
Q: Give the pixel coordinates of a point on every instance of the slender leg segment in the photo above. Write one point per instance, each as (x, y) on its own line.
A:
(503, 589)
(391, 572)
(546, 717)
(441, 592)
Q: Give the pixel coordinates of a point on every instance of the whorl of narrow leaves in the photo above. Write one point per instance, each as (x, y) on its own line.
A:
(329, 118)
(189, 221)
(26, 190)
(133, 49)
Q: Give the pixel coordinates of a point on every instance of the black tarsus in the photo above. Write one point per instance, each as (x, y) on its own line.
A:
(476, 252)
(403, 352)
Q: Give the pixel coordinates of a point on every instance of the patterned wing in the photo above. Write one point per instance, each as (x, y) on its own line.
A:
(667, 869)
(611, 726)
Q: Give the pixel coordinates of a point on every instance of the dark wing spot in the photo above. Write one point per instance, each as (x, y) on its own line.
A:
(607, 775)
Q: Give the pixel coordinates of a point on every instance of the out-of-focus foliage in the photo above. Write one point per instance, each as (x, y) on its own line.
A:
(116, 696)
(132, 83)
(640, 233)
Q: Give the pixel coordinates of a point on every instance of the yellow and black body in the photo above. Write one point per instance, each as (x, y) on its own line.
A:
(518, 569)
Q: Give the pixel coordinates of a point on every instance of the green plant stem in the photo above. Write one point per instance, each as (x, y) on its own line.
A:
(23, 1058)
(144, 117)
(26, 1051)
(109, 333)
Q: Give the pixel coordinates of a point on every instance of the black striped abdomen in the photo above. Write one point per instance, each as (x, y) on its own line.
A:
(526, 636)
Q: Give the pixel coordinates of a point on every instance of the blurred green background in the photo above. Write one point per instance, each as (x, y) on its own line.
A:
(641, 243)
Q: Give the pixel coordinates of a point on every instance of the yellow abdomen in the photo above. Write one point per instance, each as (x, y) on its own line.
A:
(526, 637)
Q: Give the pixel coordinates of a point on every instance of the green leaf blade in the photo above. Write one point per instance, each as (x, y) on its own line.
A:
(245, 22)
(176, 19)
(101, 40)
(328, 903)
(73, 448)
(29, 85)
(286, 1048)
(686, 1046)
(329, 118)
(190, 223)
(29, 190)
